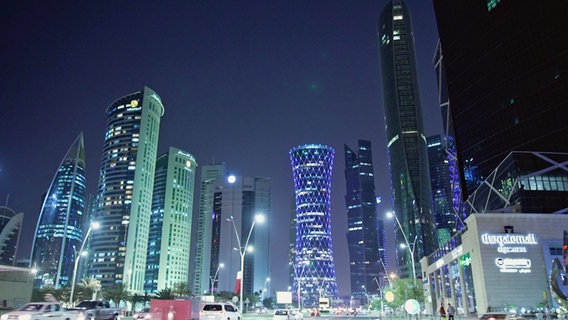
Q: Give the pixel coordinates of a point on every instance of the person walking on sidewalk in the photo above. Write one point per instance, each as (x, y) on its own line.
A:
(451, 311)
(442, 312)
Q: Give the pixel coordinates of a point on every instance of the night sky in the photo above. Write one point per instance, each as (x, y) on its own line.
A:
(241, 81)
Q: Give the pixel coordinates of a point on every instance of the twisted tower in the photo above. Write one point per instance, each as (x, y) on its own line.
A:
(314, 269)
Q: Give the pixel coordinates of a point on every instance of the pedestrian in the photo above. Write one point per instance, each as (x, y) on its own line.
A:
(442, 312)
(451, 311)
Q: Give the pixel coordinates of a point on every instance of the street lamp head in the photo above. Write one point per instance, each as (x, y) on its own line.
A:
(231, 179)
(259, 218)
(390, 214)
(250, 249)
(84, 253)
(268, 279)
(403, 246)
(95, 225)
(221, 265)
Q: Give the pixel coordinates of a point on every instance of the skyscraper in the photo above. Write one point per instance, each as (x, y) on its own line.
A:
(365, 231)
(59, 231)
(119, 246)
(507, 73)
(167, 263)
(449, 141)
(446, 224)
(200, 274)
(406, 142)
(314, 266)
(241, 198)
(10, 226)
(226, 200)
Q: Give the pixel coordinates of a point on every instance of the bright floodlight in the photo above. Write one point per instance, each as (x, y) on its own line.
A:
(259, 218)
(95, 225)
(221, 265)
(390, 214)
(231, 179)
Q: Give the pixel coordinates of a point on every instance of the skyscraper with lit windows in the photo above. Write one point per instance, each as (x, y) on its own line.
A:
(446, 219)
(167, 263)
(59, 231)
(119, 246)
(365, 231)
(228, 205)
(10, 226)
(406, 142)
(314, 268)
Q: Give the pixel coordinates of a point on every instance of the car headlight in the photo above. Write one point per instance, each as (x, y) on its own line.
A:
(4, 317)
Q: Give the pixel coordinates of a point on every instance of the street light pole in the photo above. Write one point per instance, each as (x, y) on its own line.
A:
(214, 279)
(264, 288)
(392, 214)
(93, 225)
(242, 252)
(411, 249)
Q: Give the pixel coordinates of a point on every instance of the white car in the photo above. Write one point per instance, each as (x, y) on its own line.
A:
(219, 311)
(288, 314)
(38, 311)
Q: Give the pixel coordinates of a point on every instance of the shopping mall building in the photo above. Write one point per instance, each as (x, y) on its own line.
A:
(503, 261)
(514, 229)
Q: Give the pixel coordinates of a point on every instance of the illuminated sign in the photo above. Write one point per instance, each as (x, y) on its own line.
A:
(508, 238)
(511, 243)
(511, 265)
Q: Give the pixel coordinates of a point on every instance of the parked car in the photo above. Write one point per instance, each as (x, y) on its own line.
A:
(143, 314)
(219, 311)
(96, 310)
(39, 311)
(287, 314)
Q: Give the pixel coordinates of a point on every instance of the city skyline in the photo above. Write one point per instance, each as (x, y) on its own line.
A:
(216, 82)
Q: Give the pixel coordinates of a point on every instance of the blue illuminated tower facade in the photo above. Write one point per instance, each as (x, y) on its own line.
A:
(446, 225)
(314, 268)
(59, 231)
(119, 247)
(406, 142)
(365, 231)
(167, 263)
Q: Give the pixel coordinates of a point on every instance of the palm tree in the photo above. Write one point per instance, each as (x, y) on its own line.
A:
(181, 289)
(134, 299)
(165, 294)
(117, 294)
(88, 289)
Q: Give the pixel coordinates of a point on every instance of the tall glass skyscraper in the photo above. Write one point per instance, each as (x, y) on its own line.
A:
(506, 72)
(119, 247)
(10, 226)
(226, 200)
(446, 219)
(59, 231)
(167, 263)
(365, 230)
(314, 269)
(200, 274)
(406, 142)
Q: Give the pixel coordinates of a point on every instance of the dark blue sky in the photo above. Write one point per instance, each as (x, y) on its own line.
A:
(242, 82)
